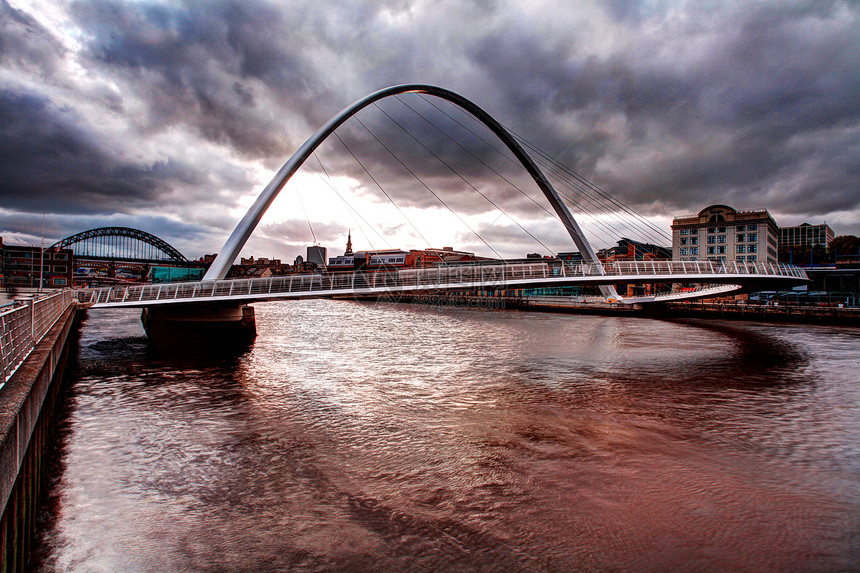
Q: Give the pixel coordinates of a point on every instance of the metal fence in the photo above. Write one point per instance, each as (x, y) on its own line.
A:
(473, 276)
(24, 323)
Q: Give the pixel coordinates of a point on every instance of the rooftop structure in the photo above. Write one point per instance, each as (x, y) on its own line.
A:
(348, 250)
(262, 262)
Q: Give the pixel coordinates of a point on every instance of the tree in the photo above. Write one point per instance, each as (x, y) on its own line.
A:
(845, 247)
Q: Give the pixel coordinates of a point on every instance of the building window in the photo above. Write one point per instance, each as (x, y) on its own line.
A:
(694, 231)
(60, 268)
(721, 229)
(694, 240)
(712, 230)
(711, 250)
(751, 259)
(752, 227)
(741, 238)
(59, 282)
(694, 250)
(752, 248)
(721, 251)
(721, 238)
(740, 227)
(741, 248)
(683, 240)
(61, 257)
(712, 239)
(684, 232)
(739, 258)
(683, 251)
(752, 237)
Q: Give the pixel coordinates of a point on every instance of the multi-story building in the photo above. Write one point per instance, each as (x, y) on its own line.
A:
(317, 255)
(385, 259)
(20, 266)
(630, 250)
(446, 255)
(805, 235)
(721, 233)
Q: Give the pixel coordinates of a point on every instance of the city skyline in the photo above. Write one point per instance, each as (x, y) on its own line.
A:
(171, 118)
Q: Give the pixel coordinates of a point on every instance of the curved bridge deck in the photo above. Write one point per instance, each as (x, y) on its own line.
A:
(765, 276)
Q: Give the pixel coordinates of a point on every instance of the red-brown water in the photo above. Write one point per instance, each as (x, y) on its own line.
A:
(366, 437)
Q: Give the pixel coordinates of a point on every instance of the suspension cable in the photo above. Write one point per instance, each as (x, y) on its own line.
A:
(399, 210)
(595, 189)
(350, 209)
(438, 198)
(308, 219)
(505, 213)
(455, 172)
(606, 234)
(606, 231)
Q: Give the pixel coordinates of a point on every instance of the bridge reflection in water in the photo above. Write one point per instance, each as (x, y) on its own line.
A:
(361, 436)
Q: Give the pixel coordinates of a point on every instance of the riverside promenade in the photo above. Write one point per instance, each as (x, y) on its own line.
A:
(36, 336)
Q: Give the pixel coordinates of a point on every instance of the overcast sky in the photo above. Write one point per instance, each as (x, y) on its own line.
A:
(171, 117)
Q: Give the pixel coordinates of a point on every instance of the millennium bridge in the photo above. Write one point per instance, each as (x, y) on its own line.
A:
(216, 291)
(726, 278)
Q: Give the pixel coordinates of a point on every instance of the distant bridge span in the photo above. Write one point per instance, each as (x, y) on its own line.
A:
(121, 244)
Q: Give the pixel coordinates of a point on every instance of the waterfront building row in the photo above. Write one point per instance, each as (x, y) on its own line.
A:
(722, 233)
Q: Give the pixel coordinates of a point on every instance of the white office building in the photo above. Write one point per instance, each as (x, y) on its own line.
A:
(721, 233)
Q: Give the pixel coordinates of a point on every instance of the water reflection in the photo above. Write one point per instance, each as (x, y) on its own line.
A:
(385, 437)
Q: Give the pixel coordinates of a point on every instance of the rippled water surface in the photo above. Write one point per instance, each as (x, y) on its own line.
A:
(355, 436)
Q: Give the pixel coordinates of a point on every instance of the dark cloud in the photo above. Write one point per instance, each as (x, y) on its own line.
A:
(48, 160)
(202, 64)
(174, 107)
(771, 78)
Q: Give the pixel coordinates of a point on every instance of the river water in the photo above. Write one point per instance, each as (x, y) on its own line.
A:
(380, 437)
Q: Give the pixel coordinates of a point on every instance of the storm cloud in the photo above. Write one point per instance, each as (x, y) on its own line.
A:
(175, 114)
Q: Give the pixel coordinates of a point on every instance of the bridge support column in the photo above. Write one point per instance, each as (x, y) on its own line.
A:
(178, 326)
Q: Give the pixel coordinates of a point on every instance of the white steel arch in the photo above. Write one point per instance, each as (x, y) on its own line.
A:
(233, 245)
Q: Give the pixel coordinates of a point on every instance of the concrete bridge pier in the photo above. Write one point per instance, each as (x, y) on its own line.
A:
(208, 324)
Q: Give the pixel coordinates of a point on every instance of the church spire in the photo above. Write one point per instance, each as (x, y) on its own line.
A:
(348, 244)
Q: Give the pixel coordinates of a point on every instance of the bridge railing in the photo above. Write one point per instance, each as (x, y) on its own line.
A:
(24, 323)
(454, 276)
(652, 268)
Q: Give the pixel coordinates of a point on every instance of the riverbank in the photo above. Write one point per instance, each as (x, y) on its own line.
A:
(830, 315)
(734, 310)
